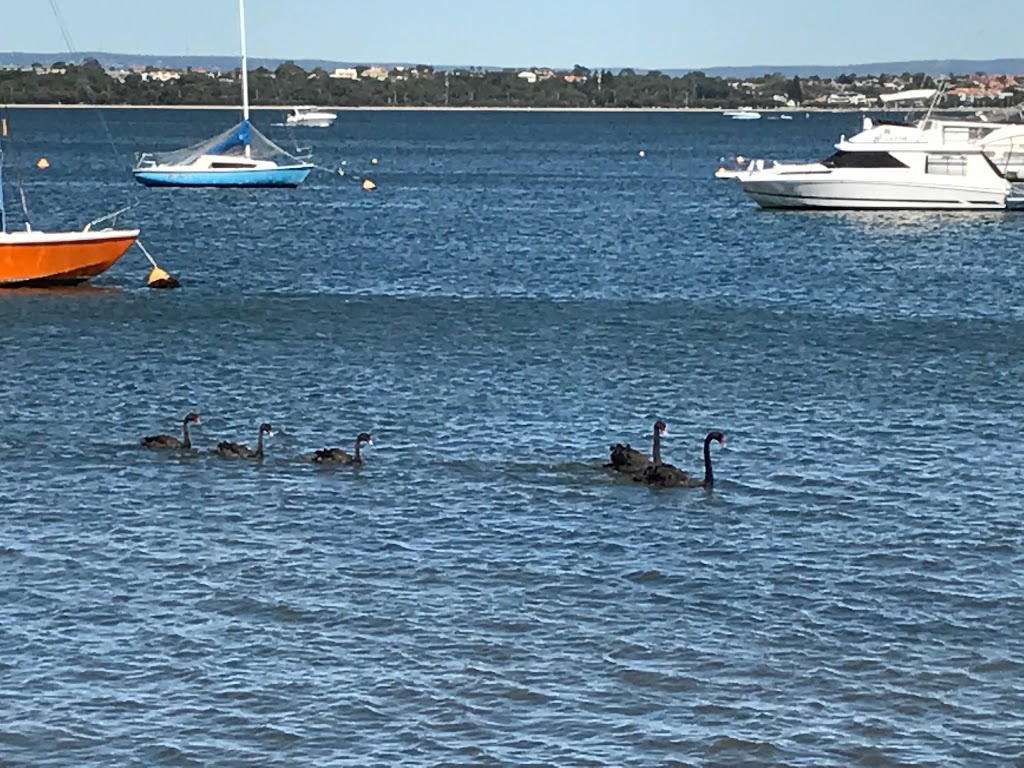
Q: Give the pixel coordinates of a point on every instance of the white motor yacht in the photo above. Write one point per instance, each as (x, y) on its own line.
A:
(743, 113)
(311, 117)
(931, 164)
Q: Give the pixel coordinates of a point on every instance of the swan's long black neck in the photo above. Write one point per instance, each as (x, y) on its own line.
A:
(656, 448)
(709, 476)
(259, 445)
(357, 458)
(186, 441)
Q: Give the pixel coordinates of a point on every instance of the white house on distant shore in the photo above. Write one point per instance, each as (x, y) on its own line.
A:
(846, 98)
(162, 75)
(345, 73)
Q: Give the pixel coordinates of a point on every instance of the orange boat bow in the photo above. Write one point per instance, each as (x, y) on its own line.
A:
(60, 258)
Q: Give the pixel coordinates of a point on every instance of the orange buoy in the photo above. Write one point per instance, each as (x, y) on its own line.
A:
(42, 163)
(158, 278)
(368, 184)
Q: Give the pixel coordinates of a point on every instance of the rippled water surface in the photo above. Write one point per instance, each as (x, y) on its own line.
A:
(523, 290)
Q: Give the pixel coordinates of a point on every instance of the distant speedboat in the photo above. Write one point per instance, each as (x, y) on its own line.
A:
(311, 117)
(743, 113)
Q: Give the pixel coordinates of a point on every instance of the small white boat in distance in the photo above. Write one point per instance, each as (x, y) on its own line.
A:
(311, 117)
(743, 113)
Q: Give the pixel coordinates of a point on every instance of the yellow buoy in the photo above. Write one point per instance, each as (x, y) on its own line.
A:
(368, 184)
(42, 163)
(158, 278)
(373, 161)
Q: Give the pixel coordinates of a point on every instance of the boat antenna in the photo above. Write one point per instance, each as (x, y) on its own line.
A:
(940, 91)
(21, 187)
(3, 211)
(245, 69)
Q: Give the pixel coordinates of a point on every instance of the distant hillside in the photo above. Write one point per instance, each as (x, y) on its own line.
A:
(931, 67)
(211, 63)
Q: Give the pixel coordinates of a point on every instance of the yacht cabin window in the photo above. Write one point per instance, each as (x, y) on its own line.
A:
(843, 159)
(946, 165)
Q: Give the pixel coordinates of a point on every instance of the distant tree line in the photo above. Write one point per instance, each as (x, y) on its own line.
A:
(289, 84)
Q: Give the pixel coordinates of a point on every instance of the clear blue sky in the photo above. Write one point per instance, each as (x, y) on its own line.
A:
(655, 34)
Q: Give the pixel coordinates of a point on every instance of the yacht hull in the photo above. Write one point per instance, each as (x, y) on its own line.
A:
(878, 195)
(284, 176)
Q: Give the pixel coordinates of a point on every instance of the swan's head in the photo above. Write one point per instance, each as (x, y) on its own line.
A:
(264, 427)
(719, 436)
(364, 437)
(660, 427)
(193, 417)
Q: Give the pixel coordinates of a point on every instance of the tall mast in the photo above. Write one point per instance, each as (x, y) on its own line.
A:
(3, 211)
(245, 67)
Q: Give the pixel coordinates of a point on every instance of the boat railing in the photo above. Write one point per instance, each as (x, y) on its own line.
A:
(145, 160)
(112, 217)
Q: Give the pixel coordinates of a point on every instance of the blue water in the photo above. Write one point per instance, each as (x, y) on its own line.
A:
(523, 290)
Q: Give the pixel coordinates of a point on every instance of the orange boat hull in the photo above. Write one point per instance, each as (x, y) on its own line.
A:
(60, 258)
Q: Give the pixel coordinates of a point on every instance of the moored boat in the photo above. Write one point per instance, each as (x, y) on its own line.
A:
(886, 166)
(36, 258)
(743, 113)
(239, 157)
(311, 117)
(31, 258)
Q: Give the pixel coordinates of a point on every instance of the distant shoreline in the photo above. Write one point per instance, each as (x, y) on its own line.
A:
(630, 110)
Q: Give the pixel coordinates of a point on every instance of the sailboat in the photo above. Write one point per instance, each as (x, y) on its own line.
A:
(31, 257)
(239, 157)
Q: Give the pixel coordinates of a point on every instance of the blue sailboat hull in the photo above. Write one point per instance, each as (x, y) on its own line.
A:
(284, 176)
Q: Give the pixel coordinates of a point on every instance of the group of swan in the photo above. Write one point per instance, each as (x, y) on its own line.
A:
(656, 473)
(230, 450)
(625, 459)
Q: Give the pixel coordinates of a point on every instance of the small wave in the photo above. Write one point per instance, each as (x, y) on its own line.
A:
(525, 695)
(646, 576)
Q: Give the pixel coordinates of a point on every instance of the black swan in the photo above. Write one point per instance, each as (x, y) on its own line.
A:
(339, 456)
(169, 441)
(660, 475)
(629, 460)
(237, 450)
